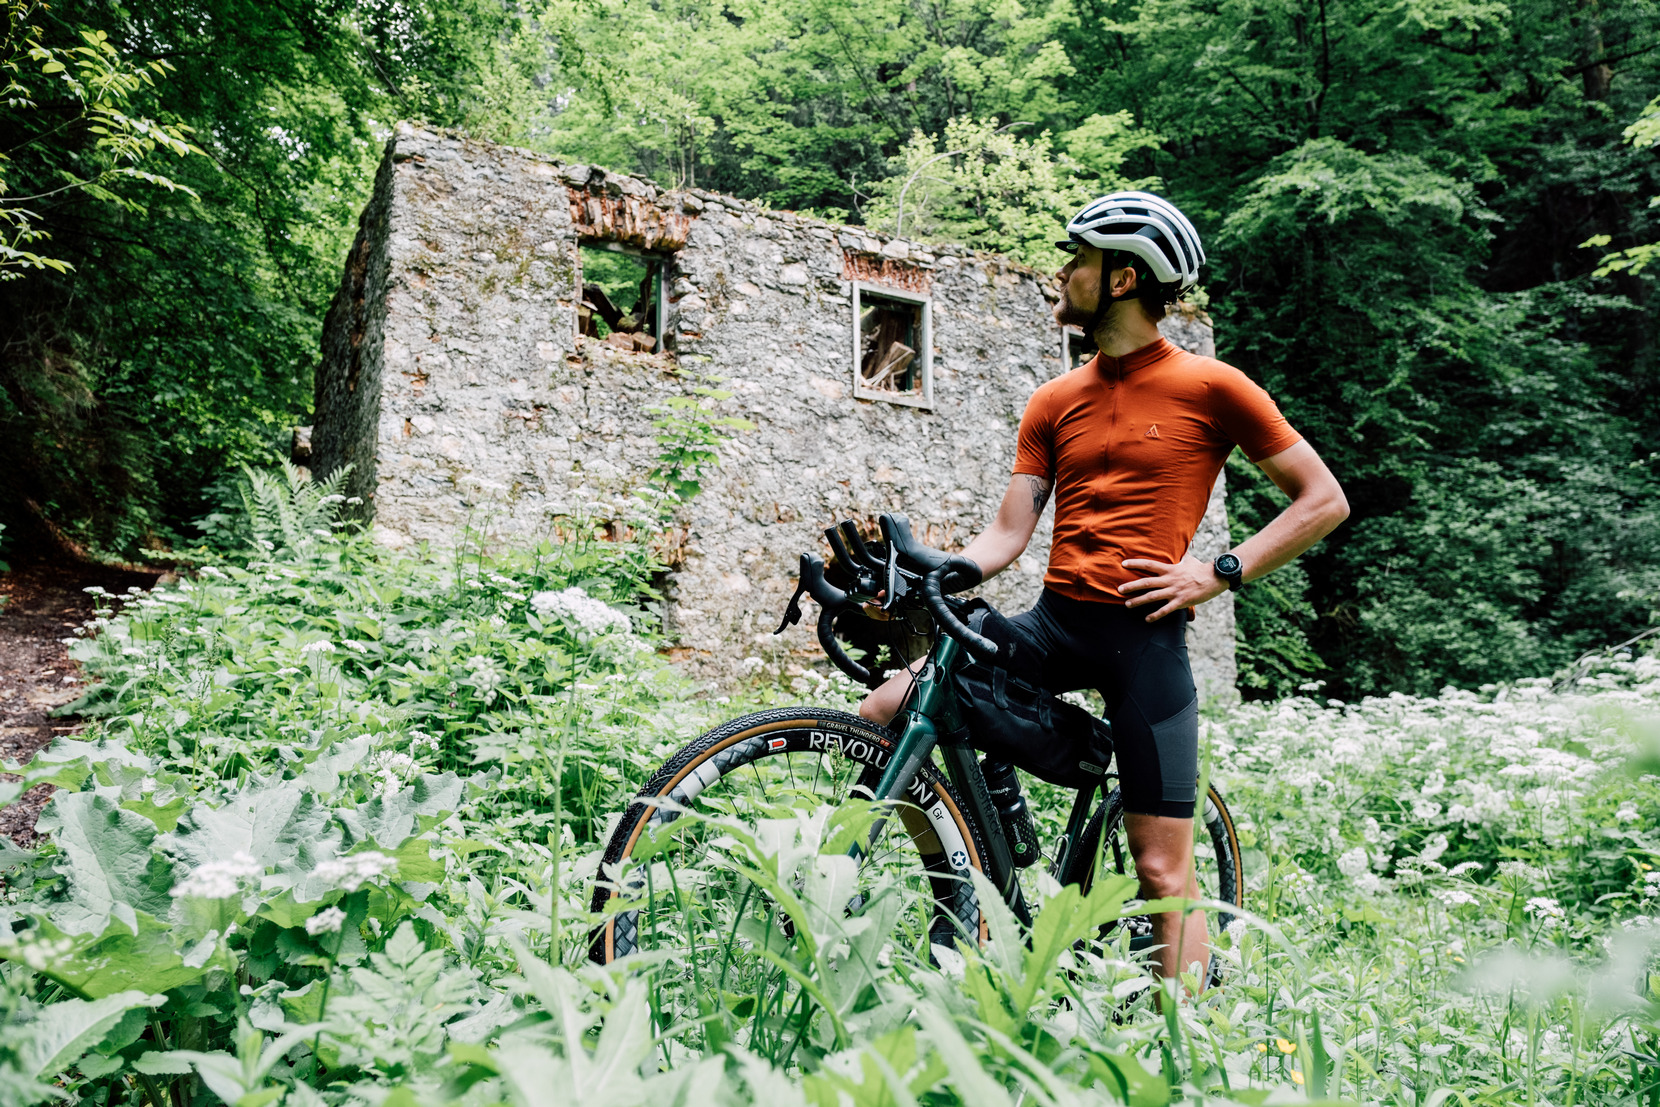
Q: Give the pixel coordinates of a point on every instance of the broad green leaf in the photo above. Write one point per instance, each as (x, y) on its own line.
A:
(62, 1031)
(536, 1078)
(115, 961)
(386, 821)
(105, 854)
(277, 823)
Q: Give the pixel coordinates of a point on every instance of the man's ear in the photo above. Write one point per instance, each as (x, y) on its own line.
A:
(1122, 281)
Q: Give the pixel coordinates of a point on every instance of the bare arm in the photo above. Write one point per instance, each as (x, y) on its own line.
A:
(1317, 506)
(1006, 539)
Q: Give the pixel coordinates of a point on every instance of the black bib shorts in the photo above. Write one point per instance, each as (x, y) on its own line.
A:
(1143, 673)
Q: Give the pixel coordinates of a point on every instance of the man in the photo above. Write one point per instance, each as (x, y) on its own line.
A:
(1131, 444)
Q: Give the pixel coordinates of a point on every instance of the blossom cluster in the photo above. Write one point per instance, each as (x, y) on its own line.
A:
(579, 611)
(350, 873)
(218, 879)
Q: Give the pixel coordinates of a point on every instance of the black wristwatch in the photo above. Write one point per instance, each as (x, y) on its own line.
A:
(1230, 569)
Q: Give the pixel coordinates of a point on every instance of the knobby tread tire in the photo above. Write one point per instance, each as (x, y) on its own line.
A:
(781, 731)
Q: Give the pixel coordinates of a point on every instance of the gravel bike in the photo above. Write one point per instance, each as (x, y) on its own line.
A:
(939, 817)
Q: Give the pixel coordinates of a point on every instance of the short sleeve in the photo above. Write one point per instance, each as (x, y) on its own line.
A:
(1247, 415)
(1034, 453)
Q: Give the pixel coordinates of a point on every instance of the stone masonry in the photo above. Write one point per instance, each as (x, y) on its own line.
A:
(454, 382)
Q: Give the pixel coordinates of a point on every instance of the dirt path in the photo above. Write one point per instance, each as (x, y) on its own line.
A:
(44, 602)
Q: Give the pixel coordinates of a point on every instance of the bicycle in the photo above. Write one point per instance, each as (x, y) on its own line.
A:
(946, 822)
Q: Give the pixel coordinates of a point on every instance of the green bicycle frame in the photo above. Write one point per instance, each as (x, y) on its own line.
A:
(933, 704)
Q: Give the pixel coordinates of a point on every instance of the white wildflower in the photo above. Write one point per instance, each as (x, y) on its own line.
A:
(1544, 909)
(39, 952)
(326, 921)
(1464, 867)
(1425, 809)
(356, 646)
(319, 646)
(1370, 830)
(580, 611)
(486, 677)
(1434, 784)
(218, 879)
(1519, 871)
(393, 762)
(1455, 897)
(1354, 862)
(1627, 812)
(350, 873)
(287, 670)
(1434, 848)
(1369, 883)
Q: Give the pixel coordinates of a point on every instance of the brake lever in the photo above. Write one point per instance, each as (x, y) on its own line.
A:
(792, 613)
(897, 589)
(862, 580)
(856, 543)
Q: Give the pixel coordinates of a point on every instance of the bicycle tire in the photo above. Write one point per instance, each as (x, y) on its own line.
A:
(935, 820)
(1224, 881)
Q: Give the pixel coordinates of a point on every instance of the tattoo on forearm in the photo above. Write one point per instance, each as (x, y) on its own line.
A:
(1040, 490)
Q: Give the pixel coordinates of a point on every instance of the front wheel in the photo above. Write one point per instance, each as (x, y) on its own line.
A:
(679, 900)
(1217, 863)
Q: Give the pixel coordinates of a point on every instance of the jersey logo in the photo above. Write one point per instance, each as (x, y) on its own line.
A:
(1152, 431)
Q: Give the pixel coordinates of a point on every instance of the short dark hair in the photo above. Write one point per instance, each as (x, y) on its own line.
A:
(1154, 297)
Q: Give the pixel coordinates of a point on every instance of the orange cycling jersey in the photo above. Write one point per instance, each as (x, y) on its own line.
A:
(1133, 445)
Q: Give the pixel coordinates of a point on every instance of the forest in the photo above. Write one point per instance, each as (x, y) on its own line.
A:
(294, 818)
(1426, 225)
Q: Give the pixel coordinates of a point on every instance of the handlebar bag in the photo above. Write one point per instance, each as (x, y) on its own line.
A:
(1009, 717)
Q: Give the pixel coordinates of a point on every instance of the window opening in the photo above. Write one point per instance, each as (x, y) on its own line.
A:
(892, 346)
(622, 296)
(1076, 347)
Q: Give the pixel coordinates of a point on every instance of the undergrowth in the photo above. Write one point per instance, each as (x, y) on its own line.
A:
(332, 837)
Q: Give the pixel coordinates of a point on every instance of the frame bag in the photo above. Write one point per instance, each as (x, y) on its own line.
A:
(1010, 718)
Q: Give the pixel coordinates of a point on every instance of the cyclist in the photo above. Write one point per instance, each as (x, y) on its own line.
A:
(1130, 444)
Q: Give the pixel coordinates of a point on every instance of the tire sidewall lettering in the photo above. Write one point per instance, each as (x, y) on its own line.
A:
(857, 749)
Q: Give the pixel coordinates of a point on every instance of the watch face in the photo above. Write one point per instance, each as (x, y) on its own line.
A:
(1227, 564)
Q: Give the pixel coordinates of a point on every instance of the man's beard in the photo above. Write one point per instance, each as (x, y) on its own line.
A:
(1068, 314)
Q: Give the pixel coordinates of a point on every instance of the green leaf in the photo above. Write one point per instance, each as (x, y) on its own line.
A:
(1123, 1074)
(105, 854)
(111, 962)
(161, 1064)
(975, 1086)
(61, 1032)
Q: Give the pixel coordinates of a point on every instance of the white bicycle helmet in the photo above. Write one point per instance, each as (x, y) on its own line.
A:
(1148, 226)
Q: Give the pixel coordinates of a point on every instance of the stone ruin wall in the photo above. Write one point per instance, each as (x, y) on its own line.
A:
(454, 382)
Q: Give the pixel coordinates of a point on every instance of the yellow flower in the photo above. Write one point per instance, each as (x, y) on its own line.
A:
(1285, 1046)
(1296, 1077)
(1457, 958)
(1262, 1047)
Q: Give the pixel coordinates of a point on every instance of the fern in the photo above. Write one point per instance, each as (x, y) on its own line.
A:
(292, 516)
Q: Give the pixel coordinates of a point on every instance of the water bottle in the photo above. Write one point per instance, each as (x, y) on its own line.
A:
(1011, 809)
